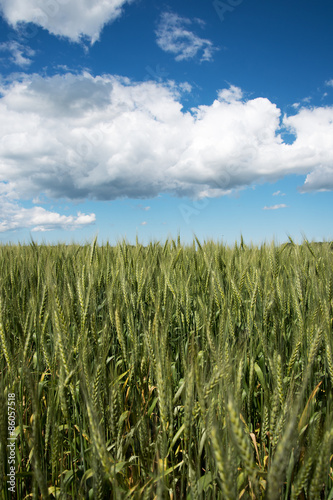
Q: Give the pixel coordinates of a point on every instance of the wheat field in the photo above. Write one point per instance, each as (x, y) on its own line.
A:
(168, 371)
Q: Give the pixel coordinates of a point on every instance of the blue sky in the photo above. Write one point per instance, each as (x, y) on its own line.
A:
(151, 119)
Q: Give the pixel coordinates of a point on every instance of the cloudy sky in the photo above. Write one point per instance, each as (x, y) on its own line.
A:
(125, 118)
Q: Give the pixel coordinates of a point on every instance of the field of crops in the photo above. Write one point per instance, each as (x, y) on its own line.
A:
(167, 371)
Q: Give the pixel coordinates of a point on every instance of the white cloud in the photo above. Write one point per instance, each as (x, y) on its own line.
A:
(307, 100)
(314, 130)
(83, 137)
(143, 223)
(329, 83)
(278, 193)
(13, 217)
(142, 207)
(320, 179)
(275, 207)
(70, 18)
(232, 94)
(174, 36)
(20, 54)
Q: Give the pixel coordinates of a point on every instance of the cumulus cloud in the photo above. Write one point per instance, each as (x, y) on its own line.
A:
(13, 216)
(314, 131)
(230, 95)
(19, 54)
(174, 36)
(330, 83)
(275, 207)
(320, 179)
(69, 18)
(105, 137)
